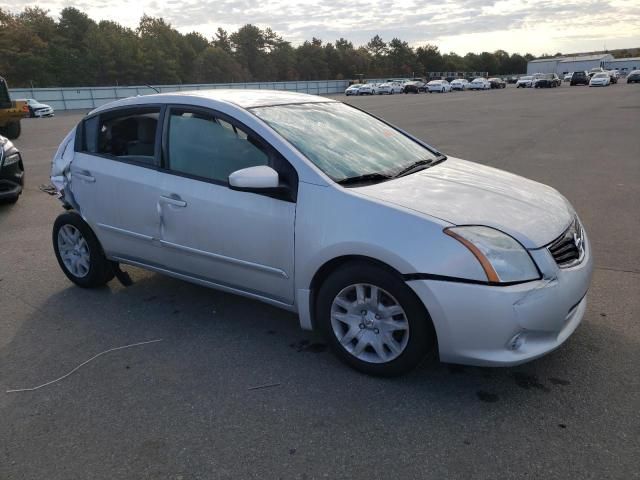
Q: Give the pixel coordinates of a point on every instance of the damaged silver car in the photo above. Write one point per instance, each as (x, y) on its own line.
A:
(391, 249)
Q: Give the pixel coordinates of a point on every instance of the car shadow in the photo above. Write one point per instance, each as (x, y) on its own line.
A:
(207, 334)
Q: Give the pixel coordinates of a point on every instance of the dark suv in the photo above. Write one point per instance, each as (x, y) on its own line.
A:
(579, 78)
(634, 77)
(548, 81)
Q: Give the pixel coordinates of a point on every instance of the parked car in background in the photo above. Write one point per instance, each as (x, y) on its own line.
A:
(479, 83)
(567, 77)
(613, 76)
(389, 88)
(439, 86)
(600, 79)
(548, 80)
(367, 89)
(460, 84)
(525, 82)
(415, 86)
(579, 78)
(353, 89)
(633, 76)
(512, 80)
(37, 109)
(464, 263)
(497, 83)
(11, 171)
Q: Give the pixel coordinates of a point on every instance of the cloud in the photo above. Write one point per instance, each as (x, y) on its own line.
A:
(525, 25)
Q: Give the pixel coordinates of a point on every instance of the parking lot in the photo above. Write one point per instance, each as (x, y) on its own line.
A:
(187, 407)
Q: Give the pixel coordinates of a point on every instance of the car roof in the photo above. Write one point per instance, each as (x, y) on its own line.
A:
(243, 98)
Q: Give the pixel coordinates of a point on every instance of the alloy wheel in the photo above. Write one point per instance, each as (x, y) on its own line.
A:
(369, 323)
(74, 251)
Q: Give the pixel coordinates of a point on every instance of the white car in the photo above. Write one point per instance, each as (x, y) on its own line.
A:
(479, 83)
(567, 77)
(353, 90)
(440, 86)
(367, 89)
(460, 84)
(37, 109)
(390, 249)
(600, 79)
(389, 88)
(525, 82)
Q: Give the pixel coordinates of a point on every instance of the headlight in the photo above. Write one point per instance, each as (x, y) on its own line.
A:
(10, 160)
(503, 259)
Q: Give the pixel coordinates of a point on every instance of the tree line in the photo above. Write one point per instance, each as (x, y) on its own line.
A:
(40, 51)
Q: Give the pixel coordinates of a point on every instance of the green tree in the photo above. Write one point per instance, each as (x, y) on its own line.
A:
(312, 64)
(250, 50)
(215, 65)
(160, 51)
(222, 40)
(430, 58)
(401, 58)
(378, 50)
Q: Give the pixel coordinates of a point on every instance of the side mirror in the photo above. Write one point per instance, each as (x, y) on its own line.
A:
(254, 178)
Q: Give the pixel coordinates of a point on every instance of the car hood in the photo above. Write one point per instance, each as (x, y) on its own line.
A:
(466, 193)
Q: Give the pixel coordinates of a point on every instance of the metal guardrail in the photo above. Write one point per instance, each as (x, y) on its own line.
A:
(84, 98)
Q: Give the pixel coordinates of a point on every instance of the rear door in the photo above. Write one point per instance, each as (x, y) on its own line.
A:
(115, 180)
(236, 239)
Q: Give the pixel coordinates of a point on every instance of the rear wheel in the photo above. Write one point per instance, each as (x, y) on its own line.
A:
(373, 321)
(79, 252)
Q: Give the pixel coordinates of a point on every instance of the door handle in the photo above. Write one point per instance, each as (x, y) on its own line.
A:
(85, 175)
(176, 201)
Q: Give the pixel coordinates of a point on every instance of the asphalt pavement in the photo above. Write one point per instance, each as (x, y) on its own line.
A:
(187, 407)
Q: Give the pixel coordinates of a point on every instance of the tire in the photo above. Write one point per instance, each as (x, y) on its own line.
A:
(95, 270)
(11, 130)
(10, 200)
(410, 345)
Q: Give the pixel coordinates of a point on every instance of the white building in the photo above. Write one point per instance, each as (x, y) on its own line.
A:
(563, 65)
(582, 63)
(543, 65)
(623, 65)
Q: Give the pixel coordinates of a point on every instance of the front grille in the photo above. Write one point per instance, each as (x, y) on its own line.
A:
(568, 250)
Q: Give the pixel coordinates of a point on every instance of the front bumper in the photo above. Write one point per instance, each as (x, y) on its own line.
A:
(503, 326)
(11, 180)
(43, 112)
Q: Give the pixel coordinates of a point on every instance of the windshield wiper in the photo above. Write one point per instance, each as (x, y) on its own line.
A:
(414, 167)
(366, 178)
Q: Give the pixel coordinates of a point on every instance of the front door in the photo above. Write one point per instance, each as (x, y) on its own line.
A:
(237, 239)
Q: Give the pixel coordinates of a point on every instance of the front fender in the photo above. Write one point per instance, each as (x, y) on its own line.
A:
(333, 222)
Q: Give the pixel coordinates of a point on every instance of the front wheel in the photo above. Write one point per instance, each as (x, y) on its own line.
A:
(79, 252)
(373, 321)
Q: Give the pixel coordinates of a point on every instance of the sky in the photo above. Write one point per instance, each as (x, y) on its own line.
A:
(461, 26)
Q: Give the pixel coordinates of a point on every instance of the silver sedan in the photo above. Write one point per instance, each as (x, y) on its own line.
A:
(394, 251)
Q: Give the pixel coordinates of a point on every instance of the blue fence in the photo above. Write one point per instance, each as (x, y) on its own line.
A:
(92, 97)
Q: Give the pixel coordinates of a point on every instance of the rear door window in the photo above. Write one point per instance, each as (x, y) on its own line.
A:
(128, 135)
(131, 136)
